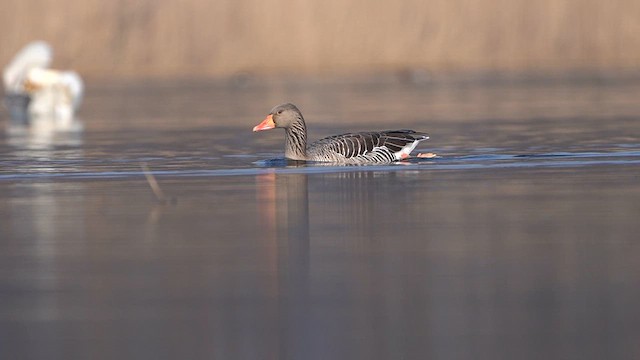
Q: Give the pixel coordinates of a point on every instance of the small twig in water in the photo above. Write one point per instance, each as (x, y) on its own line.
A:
(153, 183)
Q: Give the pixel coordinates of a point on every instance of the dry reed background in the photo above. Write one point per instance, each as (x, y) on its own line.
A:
(197, 38)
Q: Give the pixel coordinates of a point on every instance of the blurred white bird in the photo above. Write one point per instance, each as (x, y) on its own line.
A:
(41, 93)
(36, 55)
(54, 94)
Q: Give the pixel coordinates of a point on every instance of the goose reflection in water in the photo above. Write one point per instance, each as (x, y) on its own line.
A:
(283, 210)
(321, 266)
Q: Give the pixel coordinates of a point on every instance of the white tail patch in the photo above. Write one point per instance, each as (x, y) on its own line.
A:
(405, 152)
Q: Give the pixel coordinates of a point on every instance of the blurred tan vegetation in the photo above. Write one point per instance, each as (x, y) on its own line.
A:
(198, 38)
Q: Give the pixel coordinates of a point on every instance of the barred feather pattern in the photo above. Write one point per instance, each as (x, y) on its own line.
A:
(296, 141)
(366, 147)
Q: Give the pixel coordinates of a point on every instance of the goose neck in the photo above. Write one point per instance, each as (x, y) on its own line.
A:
(296, 141)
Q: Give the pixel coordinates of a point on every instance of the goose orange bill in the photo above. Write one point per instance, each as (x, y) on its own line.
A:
(266, 124)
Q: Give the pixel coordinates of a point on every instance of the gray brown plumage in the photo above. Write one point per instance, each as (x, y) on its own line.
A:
(375, 147)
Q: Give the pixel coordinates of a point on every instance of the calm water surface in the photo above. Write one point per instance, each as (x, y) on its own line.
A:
(519, 242)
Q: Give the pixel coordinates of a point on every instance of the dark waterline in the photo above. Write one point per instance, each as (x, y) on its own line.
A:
(519, 241)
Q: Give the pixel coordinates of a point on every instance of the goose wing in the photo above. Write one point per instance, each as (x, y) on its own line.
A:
(363, 147)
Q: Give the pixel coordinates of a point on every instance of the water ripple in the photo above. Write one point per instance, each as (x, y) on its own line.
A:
(48, 169)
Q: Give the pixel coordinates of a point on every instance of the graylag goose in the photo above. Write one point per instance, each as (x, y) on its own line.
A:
(375, 147)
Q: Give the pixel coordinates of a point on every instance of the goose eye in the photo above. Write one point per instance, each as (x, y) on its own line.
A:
(279, 112)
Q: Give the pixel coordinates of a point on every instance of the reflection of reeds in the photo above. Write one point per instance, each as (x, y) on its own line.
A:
(153, 184)
(199, 38)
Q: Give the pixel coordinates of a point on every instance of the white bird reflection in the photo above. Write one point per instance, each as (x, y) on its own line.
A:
(40, 97)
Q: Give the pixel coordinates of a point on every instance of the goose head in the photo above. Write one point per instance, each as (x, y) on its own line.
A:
(281, 116)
